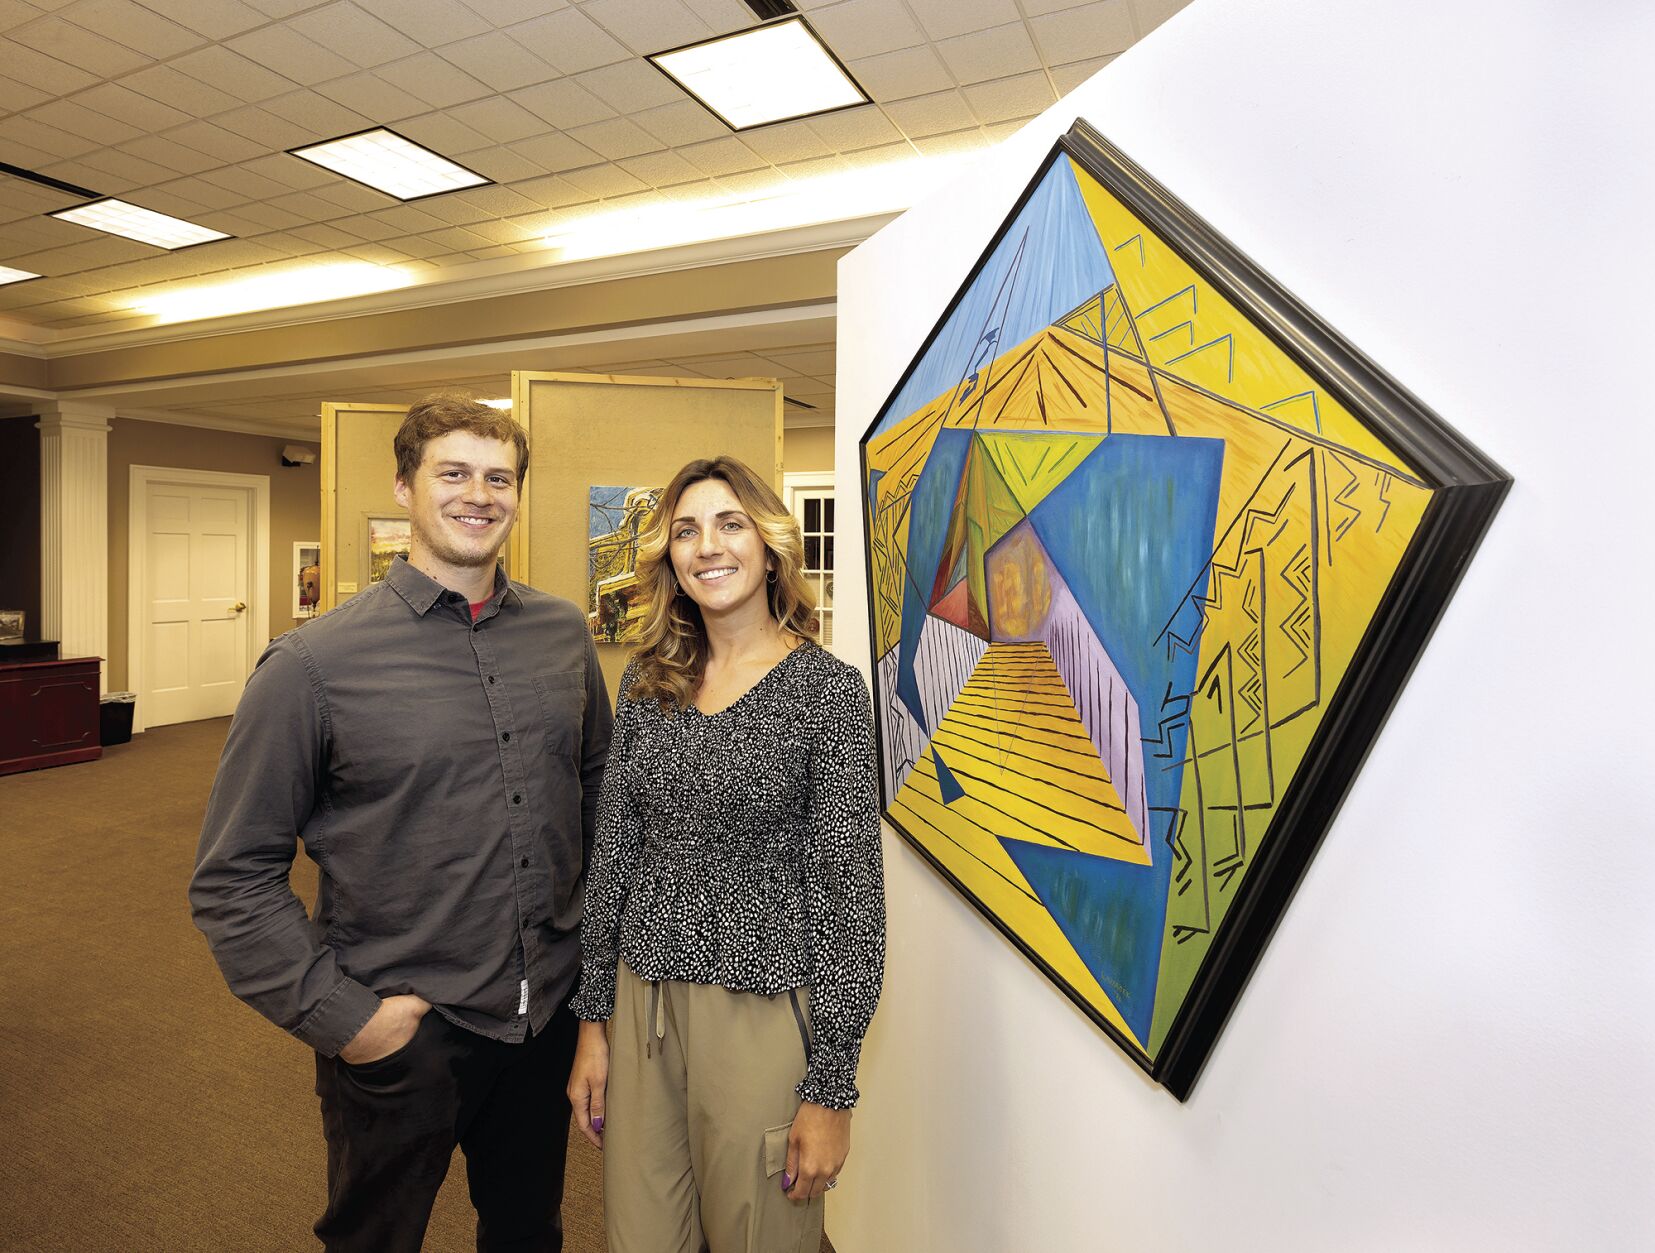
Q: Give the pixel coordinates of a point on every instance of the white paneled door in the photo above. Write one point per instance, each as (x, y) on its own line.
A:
(197, 579)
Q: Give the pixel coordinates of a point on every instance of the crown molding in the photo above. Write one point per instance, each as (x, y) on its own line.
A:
(277, 428)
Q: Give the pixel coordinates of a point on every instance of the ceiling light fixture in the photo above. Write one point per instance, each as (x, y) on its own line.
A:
(9, 275)
(385, 161)
(272, 289)
(117, 217)
(497, 404)
(772, 73)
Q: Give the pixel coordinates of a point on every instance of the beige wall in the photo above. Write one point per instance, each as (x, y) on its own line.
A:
(807, 448)
(295, 507)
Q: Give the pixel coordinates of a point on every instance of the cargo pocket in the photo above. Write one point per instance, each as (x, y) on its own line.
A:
(775, 1149)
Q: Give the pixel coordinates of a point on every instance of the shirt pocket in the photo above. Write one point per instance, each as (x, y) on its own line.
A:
(562, 699)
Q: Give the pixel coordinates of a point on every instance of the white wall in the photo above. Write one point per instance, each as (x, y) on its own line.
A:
(1450, 1043)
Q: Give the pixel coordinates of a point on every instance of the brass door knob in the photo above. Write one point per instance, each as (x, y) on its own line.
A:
(238, 606)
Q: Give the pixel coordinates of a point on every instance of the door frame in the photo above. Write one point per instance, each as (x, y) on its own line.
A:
(256, 487)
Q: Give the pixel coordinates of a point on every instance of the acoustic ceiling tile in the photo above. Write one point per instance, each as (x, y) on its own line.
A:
(279, 9)
(165, 152)
(605, 181)
(502, 165)
(944, 19)
(722, 156)
(550, 193)
(972, 140)
(618, 137)
(264, 128)
(900, 75)
(723, 17)
(682, 123)
(16, 96)
(356, 35)
(133, 26)
(181, 91)
(568, 40)
(497, 60)
(786, 141)
(1151, 13)
(290, 171)
(1098, 30)
(490, 202)
(363, 227)
(428, 22)
(44, 73)
(1006, 98)
(408, 219)
(74, 45)
(269, 217)
(292, 55)
(648, 26)
(216, 19)
(372, 97)
(325, 235)
(444, 134)
(630, 86)
(562, 102)
(43, 138)
(323, 118)
(77, 119)
(661, 169)
(851, 130)
(500, 119)
(936, 114)
(116, 101)
(555, 152)
(200, 193)
(1067, 77)
(866, 28)
(997, 53)
(217, 142)
(440, 84)
(510, 12)
(245, 182)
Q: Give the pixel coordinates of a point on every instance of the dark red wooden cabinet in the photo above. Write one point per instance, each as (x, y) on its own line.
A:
(48, 713)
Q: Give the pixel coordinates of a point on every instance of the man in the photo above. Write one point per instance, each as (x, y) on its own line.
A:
(437, 744)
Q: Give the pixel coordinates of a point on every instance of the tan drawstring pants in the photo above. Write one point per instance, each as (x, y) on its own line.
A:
(698, 1108)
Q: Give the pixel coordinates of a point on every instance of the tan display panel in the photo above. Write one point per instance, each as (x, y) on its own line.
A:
(588, 430)
(358, 482)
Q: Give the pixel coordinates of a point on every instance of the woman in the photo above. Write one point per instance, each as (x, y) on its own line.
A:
(735, 909)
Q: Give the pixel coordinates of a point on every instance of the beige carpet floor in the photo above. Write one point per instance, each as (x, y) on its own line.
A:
(142, 1107)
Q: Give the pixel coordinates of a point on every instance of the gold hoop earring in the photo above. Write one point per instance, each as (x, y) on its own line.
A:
(771, 578)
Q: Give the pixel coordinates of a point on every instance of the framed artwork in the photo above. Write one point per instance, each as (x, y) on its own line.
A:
(11, 626)
(616, 516)
(1151, 553)
(307, 578)
(385, 537)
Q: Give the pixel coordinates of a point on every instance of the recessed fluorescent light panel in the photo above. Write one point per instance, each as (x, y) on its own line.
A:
(772, 73)
(387, 162)
(9, 275)
(117, 217)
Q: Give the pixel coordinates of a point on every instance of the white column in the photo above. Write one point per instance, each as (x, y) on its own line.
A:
(74, 529)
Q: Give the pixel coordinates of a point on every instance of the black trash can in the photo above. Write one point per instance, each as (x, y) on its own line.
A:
(115, 718)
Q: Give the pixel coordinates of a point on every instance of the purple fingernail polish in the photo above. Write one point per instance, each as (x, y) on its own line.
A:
(787, 1181)
(597, 1123)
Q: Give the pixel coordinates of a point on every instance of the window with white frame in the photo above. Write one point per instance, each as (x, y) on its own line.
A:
(810, 496)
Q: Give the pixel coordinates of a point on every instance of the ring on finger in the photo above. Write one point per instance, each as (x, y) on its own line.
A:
(831, 1183)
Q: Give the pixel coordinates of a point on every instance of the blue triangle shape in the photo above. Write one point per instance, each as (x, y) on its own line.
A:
(1113, 912)
(950, 786)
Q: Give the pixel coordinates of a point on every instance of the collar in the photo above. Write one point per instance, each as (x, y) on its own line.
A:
(421, 591)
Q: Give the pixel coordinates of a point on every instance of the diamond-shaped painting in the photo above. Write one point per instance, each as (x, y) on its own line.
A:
(1151, 551)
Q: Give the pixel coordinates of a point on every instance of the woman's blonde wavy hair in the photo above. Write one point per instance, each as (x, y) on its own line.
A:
(672, 647)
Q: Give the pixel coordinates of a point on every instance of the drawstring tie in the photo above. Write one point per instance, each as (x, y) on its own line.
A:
(657, 1019)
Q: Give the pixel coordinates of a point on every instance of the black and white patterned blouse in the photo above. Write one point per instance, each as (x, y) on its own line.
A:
(742, 849)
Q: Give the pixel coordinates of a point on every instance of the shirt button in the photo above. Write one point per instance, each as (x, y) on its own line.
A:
(505, 737)
(491, 679)
(517, 798)
(525, 863)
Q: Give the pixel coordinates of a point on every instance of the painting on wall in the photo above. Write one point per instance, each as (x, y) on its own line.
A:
(11, 626)
(307, 578)
(1151, 552)
(386, 537)
(616, 516)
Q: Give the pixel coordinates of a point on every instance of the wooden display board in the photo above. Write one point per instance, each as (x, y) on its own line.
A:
(591, 430)
(358, 483)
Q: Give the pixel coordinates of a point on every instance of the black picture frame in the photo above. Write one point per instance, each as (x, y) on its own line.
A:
(1467, 489)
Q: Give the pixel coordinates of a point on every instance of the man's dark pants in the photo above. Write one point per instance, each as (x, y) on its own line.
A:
(392, 1125)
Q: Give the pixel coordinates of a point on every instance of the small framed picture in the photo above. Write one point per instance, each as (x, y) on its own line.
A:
(11, 626)
(386, 536)
(307, 578)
